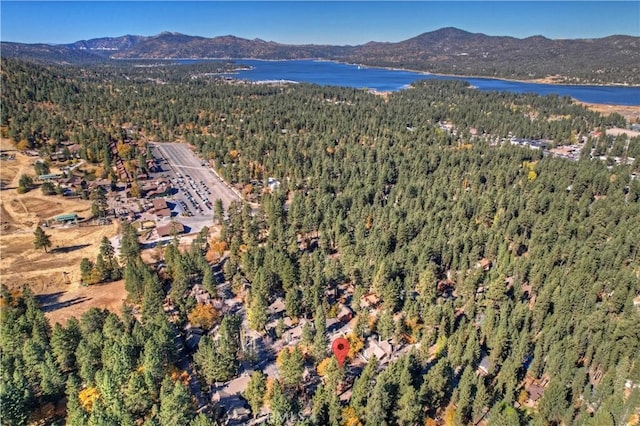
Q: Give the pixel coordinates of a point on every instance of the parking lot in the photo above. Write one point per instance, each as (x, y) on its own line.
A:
(198, 187)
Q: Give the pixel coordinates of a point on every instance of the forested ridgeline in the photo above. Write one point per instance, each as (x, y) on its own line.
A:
(474, 250)
(609, 60)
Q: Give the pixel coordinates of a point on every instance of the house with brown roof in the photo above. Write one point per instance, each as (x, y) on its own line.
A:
(160, 208)
(369, 300)
(170, 228)
(484, 263)
(345, 314)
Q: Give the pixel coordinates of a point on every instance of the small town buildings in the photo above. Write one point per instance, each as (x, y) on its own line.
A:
(104, 184)
(156, 188)
(160, 208)
(201, 295)
(293, 335)
(233, 405)
(50, 177)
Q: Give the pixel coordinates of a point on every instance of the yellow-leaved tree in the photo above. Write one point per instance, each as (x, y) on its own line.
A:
(204, 316)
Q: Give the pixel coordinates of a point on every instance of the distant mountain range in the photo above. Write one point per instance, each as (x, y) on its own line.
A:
(614, 59)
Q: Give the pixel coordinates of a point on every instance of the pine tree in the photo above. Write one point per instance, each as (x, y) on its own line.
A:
(217, 360)
(133, 281)
(107, 253)
(129, 246)
(201, 420)
(255, 391)
(42, 240)
(257, 312)
(51, 380)
(218, 211)
(152, 298)
(25, 183)
(137, 397)
(16, 401)
(290, 366)
(380, 402)
(76, 415)
(320, 338)
(280, 404)
(64, 342)
(362, 387)
(176, 406)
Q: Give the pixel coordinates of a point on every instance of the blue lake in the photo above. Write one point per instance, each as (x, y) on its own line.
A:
(337, 74)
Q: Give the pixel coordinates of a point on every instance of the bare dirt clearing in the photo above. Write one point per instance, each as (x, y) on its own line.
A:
(20, 263)
(61, 305)
(44, 272)
(630, 113)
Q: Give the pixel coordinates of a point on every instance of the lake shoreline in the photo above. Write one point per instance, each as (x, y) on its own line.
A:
(389, 79)
(549, 80)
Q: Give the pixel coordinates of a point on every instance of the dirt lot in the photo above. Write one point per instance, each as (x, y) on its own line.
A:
(630, 113)
(54, 276)
(75, 300)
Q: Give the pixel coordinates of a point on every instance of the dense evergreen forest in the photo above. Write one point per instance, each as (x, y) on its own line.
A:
(375, 193)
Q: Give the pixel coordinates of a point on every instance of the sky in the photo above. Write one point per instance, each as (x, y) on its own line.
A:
(309, 22)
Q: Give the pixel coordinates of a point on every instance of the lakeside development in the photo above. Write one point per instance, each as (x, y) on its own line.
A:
(391, 79)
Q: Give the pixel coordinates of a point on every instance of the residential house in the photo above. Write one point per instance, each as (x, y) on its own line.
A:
(332, 324)
(345, 314)
(484, 263)
(484, 368)
(233, 405)
(369, 301)
(201, 295)
(293, 335)
(277, 308)
(382, 349)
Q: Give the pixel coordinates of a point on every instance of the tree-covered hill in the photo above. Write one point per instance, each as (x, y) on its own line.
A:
(448, 51)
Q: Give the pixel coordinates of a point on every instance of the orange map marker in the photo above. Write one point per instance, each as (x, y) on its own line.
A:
(340, 348)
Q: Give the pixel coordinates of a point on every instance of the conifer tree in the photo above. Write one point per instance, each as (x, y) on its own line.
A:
(176, 406)
(255, 392)
(42, 240)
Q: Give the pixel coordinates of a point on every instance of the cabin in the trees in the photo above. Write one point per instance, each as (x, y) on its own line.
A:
(277, 308)
(484, 368)
(382, 349)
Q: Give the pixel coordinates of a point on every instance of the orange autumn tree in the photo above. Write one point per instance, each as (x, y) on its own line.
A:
(216, 250)
(350, 417)
(204, 316)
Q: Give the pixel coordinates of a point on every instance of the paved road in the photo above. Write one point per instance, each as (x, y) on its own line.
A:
(181, 160)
